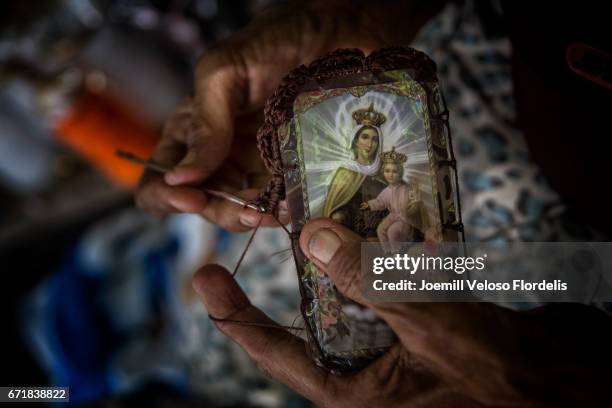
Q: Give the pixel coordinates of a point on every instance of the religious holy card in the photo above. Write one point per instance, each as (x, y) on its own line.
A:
(364, 141)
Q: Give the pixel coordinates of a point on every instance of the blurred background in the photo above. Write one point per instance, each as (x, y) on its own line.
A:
(96, 295)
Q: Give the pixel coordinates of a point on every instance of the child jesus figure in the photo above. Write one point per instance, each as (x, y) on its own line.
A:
(407, 218)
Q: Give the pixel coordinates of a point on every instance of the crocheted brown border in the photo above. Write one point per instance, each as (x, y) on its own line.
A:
(336, 64)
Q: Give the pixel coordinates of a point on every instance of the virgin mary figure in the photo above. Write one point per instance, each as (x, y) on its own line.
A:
(357, 180)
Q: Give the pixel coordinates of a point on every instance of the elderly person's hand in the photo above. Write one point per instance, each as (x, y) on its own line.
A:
(211, 138)
(448, 355)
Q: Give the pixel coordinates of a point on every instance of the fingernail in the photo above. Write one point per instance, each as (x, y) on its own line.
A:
(180, 205)
(250, 219)
(324, 244)
(171, 178)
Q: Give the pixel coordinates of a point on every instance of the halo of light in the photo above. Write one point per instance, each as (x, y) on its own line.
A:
(326, 137)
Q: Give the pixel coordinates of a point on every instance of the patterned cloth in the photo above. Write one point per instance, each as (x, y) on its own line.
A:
(503, 193)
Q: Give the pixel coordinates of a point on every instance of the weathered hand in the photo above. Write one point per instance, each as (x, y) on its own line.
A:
(459, 354)
(211, 137)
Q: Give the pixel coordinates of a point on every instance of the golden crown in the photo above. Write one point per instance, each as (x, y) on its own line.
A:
(369, 116)
(393, 157)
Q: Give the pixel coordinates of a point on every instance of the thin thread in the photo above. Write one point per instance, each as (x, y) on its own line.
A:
(281, 252)
(293, 323)
(281, 225)
(247, 323)
(246, 248)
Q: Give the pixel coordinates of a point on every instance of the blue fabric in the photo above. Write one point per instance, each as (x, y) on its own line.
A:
(81, 332)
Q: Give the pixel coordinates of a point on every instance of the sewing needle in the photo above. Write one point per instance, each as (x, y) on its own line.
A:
(149, 164)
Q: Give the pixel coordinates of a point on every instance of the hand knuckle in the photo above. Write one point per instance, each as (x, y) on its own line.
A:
(210, 61)
(143, 200)
(140, 201)
(179, 125)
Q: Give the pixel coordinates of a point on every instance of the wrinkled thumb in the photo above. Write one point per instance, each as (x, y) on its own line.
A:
(335, 250)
